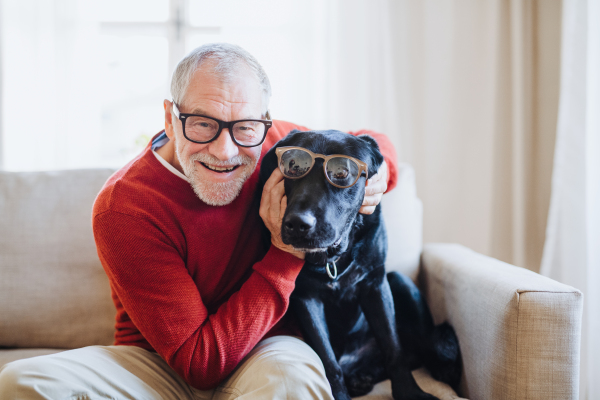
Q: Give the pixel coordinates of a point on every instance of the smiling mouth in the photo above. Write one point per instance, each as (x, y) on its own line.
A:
(219, 169)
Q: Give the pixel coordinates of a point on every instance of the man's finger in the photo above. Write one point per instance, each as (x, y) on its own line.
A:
(282, 207)
(378, 182)
(276, 194)
(368, 210)
(273, 180)
(263, 211)
(376, 188)
(371, 200)
(271, 198)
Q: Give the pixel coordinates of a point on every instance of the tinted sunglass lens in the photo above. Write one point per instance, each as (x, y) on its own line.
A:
(342, 171)
(295, 163)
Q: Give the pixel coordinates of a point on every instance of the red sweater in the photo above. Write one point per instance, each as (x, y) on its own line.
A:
(192, 281)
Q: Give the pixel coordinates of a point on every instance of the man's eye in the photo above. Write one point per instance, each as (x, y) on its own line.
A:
(247, 126)
(199, 123)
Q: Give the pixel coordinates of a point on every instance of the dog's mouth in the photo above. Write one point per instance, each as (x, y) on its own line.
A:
(337, 243)
(317, 249)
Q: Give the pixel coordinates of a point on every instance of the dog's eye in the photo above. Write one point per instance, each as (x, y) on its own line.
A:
(342, 171)
(295, 163)
(341, 174)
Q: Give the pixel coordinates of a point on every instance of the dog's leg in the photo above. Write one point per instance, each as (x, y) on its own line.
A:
(414, 320)
(378, 305)
(311, 315)
(435, 346)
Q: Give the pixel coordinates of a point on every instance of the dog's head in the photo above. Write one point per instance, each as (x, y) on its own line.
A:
(319, 215)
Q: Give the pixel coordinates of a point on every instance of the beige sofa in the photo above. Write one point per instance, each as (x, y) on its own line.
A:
(519, 332)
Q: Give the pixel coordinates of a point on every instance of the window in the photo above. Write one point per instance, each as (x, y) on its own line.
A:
(84, 82)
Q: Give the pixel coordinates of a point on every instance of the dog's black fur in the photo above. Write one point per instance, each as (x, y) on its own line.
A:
(365, 325)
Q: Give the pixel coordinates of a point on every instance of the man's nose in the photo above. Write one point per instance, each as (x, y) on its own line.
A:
(224, 148)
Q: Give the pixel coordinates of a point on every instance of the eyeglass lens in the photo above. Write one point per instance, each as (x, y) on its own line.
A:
(203, 129)
(341, 171)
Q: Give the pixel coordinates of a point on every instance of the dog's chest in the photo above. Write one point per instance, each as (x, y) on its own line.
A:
(312, 280)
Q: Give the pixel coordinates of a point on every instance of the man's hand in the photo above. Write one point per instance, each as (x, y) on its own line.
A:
(374, 189)
(272, 208)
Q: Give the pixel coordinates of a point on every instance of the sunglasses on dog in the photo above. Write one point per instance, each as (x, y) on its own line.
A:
(340, 170)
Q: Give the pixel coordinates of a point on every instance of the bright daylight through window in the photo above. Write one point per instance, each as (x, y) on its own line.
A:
(84, 81)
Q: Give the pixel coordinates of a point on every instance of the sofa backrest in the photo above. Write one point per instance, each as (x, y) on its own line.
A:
(403, 215)
(53, 290)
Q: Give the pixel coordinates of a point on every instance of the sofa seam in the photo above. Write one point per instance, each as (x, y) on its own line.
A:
(516, 373)
(575, 292)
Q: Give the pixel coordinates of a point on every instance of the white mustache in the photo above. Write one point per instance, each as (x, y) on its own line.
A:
(208, 159)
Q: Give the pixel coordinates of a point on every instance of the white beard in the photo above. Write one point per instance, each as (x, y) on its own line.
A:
(219, 193)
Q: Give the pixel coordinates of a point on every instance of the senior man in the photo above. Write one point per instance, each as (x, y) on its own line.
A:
(201, 306)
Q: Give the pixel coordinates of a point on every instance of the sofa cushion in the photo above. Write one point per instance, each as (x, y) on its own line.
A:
(383, 390)
(11, 355)
(53, 290)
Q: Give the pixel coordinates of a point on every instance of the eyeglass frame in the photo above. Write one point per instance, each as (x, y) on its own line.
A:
(362, 166)
(222, 124)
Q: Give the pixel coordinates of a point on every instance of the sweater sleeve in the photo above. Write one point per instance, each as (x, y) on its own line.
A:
(149, 276)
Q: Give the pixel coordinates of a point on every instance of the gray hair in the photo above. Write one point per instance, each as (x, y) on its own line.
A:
(227, 58)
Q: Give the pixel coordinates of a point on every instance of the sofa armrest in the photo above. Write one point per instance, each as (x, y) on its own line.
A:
(519, 331)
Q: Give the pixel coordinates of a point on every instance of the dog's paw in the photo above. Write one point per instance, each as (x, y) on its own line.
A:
(359, 385)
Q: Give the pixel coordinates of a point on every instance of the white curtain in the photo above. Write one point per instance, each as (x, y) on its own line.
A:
(572, 250)
(1, 97)
(468, 92)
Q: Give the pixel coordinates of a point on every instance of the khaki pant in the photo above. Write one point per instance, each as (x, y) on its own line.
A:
(280, 367)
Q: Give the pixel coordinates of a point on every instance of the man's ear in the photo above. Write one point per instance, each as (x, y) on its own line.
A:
(375, 157)
(168, 119)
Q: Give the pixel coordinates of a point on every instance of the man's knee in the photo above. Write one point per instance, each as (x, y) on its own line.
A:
(282, 367)
(12, 377)
(296, 360)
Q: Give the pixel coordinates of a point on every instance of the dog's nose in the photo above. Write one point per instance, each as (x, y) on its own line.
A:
(299, 224)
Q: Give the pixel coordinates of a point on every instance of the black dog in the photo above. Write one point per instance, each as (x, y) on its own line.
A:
(365, 325)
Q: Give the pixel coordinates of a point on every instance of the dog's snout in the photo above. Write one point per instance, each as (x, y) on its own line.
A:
(299, 224)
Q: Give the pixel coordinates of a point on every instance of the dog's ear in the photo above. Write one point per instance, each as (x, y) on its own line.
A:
(269, 161)
(268, 165)
(375, 157)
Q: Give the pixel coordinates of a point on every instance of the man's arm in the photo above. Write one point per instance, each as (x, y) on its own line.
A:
(149, 276)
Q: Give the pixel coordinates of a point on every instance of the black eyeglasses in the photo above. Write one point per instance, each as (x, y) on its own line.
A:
(203, 129)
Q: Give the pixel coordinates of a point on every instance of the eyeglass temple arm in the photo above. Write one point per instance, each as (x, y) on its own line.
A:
(175, 109)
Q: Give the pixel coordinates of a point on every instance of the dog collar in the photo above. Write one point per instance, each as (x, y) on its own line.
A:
(335, 272)
(334, 275)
